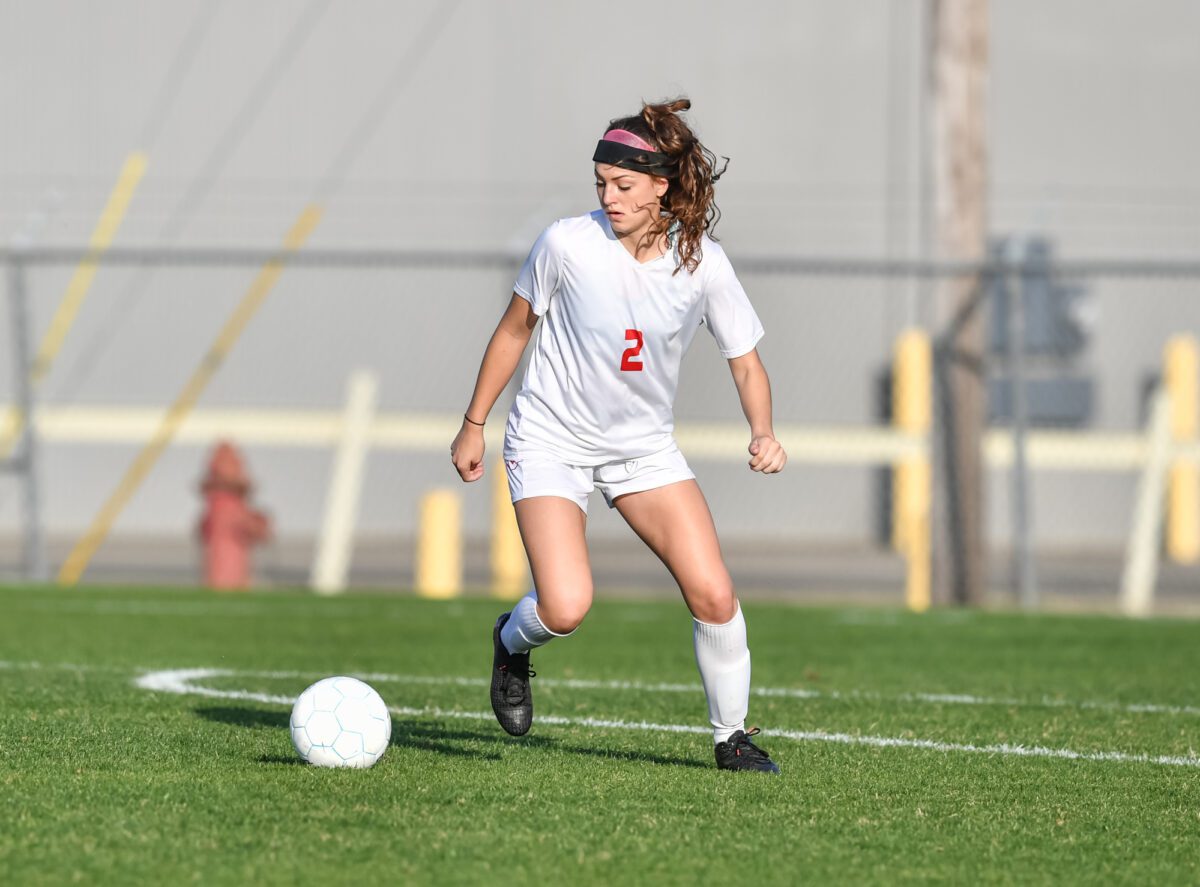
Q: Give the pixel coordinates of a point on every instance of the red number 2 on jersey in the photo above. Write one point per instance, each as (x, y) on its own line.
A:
(628, 364)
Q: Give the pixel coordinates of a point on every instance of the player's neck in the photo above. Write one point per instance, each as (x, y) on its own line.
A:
(641, 249)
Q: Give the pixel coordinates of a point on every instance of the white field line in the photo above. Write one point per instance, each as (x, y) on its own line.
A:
(182, 608)
(61, 666)
(182, 681)
(637, 686)
(768, 692)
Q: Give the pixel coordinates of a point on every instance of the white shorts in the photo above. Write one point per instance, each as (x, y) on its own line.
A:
(541, 474)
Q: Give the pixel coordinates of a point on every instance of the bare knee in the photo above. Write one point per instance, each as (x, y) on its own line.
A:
(713, 601)
(563, 615)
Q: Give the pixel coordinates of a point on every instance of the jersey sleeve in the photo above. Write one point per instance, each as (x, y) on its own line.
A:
(538, 279)
(728, 313)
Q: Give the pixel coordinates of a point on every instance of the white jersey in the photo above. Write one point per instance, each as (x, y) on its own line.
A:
(601, 381)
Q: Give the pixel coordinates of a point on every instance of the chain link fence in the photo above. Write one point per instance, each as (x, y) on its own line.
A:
(1066, 354)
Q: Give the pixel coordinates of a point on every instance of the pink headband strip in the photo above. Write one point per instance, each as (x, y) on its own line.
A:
(625, 137)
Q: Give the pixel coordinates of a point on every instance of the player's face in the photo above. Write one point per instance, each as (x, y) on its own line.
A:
(629, 199)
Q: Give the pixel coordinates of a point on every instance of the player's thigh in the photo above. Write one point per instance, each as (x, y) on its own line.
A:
(552, 529)
(675, 522)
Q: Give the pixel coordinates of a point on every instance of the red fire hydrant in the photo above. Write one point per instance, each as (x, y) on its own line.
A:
(230, 527)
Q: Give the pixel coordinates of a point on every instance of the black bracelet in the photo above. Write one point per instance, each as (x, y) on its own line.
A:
(472, 421)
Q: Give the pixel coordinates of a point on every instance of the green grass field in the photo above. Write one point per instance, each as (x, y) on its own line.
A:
(954, 746)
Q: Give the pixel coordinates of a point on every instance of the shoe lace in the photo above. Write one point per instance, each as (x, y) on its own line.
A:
(517, 667)
(743, 746)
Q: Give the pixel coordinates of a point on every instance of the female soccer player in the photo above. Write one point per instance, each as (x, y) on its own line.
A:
(621, 292)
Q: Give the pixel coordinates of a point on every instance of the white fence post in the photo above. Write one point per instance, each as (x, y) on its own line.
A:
(1141, 558)
(332, 560)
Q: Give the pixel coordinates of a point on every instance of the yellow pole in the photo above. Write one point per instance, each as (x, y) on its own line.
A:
(912, 413)
(439, 545)
(102, 238)
(1181, 379)
(510, 578)
(81, 554)
(918, 578)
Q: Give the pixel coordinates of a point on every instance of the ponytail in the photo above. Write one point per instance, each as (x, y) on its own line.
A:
(692, 170)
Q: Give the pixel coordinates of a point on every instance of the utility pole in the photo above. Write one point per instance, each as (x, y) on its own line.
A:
(958, 81)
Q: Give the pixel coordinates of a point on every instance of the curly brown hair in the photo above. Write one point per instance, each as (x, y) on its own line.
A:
(689, 199)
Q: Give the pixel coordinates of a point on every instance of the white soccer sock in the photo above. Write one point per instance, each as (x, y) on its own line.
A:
(724, 662)
(524, 629)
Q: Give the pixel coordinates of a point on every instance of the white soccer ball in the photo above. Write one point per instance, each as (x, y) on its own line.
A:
(340, 722)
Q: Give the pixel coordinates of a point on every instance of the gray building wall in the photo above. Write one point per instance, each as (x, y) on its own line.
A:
(469, 126)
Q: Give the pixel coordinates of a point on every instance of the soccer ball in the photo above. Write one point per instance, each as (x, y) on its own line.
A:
(340, 722)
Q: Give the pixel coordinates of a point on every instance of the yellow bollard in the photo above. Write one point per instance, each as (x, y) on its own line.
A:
(918, 580)
(439, 545)
(510, 575)
(912, 413)
(1181, 379)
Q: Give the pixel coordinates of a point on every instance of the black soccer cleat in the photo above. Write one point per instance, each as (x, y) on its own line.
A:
(739, 753)
(512, 697)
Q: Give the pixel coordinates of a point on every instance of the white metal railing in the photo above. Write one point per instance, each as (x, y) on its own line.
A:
(417, 431)
(358, 428)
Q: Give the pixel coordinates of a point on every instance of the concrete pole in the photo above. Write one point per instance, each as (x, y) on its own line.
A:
(26, 452)
(331, 565)
(958, 83)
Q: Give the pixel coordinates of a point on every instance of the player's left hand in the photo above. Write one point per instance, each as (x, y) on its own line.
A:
(767, 455)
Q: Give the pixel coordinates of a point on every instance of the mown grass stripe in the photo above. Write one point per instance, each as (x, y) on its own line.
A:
(182, 681)
(638, 686)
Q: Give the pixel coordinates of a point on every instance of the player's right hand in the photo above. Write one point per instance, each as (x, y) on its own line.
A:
(467, 452)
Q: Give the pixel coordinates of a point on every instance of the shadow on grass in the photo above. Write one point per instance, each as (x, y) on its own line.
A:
(280, 759)
(404, 733)
(421, 735)
(244, 717)
(639, 757)
(414, 732)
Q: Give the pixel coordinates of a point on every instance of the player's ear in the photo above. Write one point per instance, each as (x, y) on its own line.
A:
(660, 186)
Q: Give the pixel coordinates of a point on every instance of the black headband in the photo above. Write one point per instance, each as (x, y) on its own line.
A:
(617, 154)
